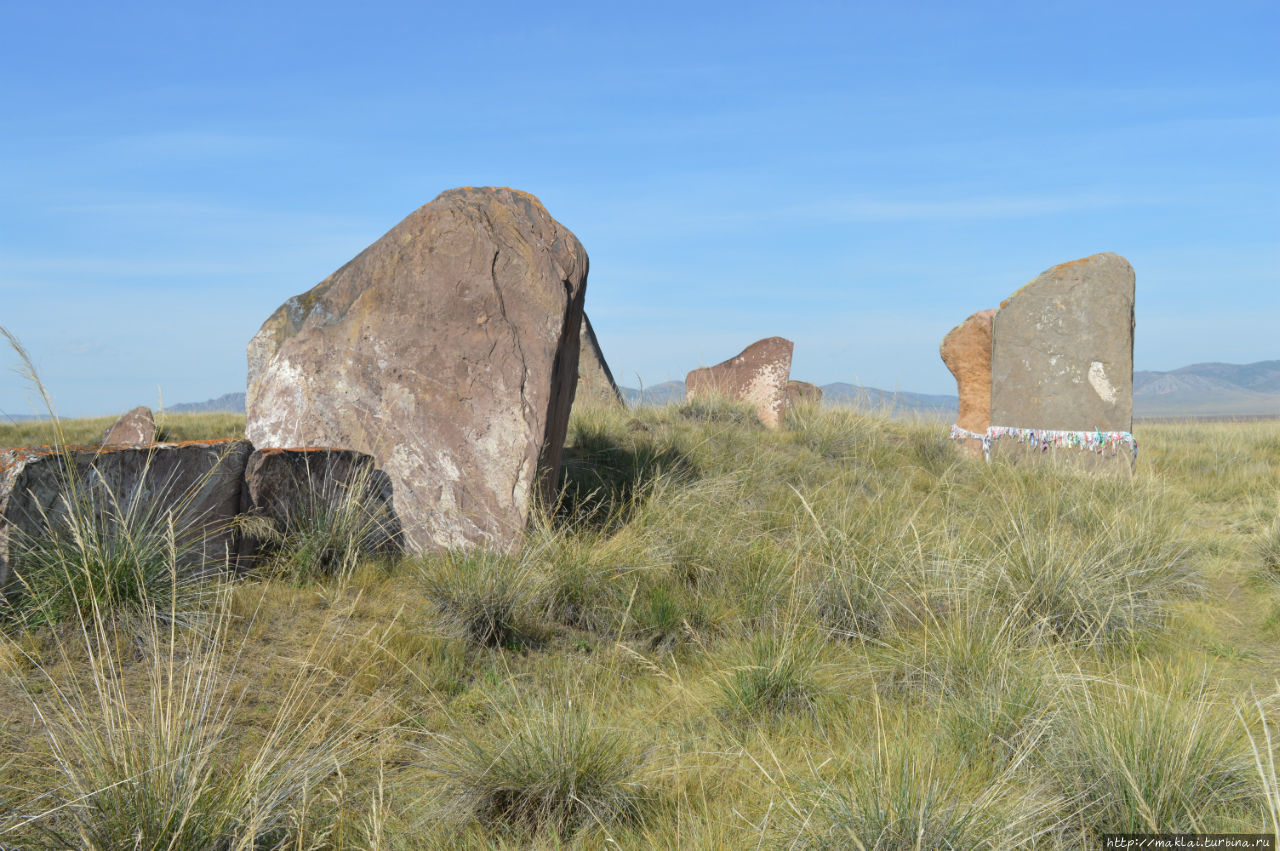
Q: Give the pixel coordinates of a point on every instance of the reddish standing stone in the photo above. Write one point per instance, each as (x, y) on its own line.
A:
(132, 429)
(803, 393)
(758, 376)
(966, 350)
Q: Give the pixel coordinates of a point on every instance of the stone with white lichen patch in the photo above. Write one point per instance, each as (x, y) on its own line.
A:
(448, 351)
(1062, 349)
(132, 429)
(758, 375)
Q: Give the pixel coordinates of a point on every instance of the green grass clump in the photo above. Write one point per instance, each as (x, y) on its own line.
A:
(543, 767)
(772, 674)
(102, 554)
(866, 565)
(95, 551)
(991, 681)
(606, 471)
(1257, 719)
(1162, 753)
(493, 599)
(1096, 561)
(720, 411)
(142, 751)
(1267, 547)
(335, 516)
(906, 791)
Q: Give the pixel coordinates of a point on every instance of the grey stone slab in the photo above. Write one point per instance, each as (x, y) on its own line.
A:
(1062, 352)
(198, 481)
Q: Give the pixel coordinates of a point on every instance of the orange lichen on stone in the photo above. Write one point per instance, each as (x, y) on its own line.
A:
(46, 449)
(966, 350)
(1062, 267)
(214, 442)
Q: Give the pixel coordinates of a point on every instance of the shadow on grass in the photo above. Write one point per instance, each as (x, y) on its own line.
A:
(603, 480)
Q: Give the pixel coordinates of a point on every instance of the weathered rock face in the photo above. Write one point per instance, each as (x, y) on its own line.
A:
(1062, 349)
(758, 375)
(595, 379)
(966, 350)
(287, 487)
(447, 350)
(134, 428)
(199, 481)
(802, 393)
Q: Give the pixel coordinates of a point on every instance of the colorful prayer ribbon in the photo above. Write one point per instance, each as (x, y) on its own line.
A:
(1041, 439)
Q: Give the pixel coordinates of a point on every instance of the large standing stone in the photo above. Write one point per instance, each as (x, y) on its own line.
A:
(1062, 352)
(447, 350)
(294, 488)
(198, 481)
(595, 379)
(758, 375)
(134, 428)
(966, 350)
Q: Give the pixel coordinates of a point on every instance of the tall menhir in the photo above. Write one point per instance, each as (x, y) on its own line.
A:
(448, 350)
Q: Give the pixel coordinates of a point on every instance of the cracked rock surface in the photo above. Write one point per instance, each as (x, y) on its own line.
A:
(447, 350)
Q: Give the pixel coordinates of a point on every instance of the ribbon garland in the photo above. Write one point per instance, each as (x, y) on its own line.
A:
(1040, 439)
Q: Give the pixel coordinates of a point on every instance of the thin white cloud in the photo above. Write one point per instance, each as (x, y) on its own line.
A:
(193, 144)
(657, 218)
(90, 348)
(867, 209)
(114, 267)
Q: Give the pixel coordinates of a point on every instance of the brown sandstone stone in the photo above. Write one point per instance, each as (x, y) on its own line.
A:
(1062, 352)
(447, 350)
(198, 480)
(595, 379)
(134, 428)
(966, 350)
(802, 393)
(758, 375)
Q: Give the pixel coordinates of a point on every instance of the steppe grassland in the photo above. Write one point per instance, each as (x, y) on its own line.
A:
(834, 635)
(172, 427)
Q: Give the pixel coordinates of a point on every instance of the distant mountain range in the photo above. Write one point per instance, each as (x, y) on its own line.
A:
(231, 403)
(1199, 390)
(1209, 390)
(658, 394)
(896, 403)
(673, 391)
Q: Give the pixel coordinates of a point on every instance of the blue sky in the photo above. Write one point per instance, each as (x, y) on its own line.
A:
(857, 177)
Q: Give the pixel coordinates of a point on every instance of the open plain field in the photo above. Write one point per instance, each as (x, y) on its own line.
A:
(841, 634)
